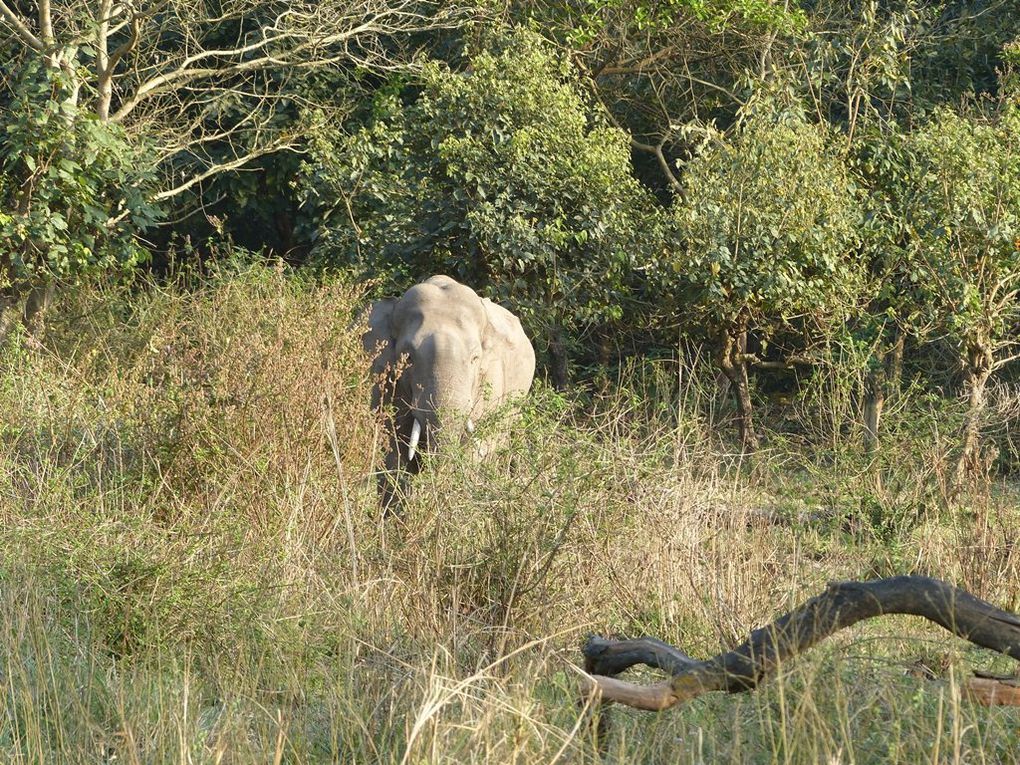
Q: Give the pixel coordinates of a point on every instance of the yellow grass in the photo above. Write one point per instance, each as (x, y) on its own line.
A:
(193, 568)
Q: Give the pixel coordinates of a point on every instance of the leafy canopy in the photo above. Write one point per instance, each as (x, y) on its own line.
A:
(73, 190)
(965, 220)
(591, 18)
(500, 175)
(770, 231)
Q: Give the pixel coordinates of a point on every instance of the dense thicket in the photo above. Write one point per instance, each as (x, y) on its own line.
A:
(803, 189)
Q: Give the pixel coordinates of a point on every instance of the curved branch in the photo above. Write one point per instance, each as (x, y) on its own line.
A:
(20, 27)
(223, 167)
(611, 657)
(656, 149)
(841, 605)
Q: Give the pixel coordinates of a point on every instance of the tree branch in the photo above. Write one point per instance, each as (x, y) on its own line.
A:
(841, 605)
(46, 23)
(790, 362)
(310, 43)
(122, 50)
(663, 163)
(104, 72)
(222, 167)
(639, 66)
(20, 27)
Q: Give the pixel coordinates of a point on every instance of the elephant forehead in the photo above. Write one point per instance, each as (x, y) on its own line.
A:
(454, 307)
(431, 344)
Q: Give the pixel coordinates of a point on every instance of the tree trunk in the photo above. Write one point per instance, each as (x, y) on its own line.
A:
(894, 365)
(979, 369)
(36, 305)
(104, 67)
(30, 313)
(558, 358)
(284, 224)
(605, 348)
(874, 402)
(883, 382)
(8, 315)
(732, 361)
(873, 406)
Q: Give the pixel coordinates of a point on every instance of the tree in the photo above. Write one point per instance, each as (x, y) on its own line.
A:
(884, 165)
(666, 69)
(767, 239)
(203, 88)
(857, 60)
(965, 223)
(64, 180)
(875, 71)
(503, 177)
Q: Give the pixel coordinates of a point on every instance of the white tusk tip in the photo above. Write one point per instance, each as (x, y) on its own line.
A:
(412, 445)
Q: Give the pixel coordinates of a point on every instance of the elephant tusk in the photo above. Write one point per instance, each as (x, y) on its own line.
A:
(470, 426)
(412, 445)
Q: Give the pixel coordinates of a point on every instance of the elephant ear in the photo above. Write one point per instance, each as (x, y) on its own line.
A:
(379, 339)
(508, 364)
(503, 327)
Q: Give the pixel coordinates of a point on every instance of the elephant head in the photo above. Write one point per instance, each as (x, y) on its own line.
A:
(448, 357)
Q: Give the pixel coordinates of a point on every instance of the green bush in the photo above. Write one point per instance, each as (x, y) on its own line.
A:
(74, 192)
(501, 176)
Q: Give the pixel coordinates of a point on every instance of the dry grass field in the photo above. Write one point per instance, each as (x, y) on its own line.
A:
(193, 568)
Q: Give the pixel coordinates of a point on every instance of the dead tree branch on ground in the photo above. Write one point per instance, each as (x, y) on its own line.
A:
(841, 605)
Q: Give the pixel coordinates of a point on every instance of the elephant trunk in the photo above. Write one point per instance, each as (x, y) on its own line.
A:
(439, 405)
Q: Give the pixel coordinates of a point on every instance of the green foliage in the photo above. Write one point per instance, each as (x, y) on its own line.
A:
(770, 231)
(964, 217)
(74, 190)
(961, 50)
(648, 16)
(501, 176)
(1009, 78)
(903, 58)
(885, 165)
(858, 58)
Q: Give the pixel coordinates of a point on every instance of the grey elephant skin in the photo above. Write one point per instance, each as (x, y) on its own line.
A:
(444, 358)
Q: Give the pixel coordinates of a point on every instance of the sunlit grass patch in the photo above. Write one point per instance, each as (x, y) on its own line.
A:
(193, 564)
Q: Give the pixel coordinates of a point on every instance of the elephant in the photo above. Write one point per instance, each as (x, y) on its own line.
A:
(443, 358)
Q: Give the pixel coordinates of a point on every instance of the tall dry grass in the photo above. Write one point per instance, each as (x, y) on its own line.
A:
(193, 567)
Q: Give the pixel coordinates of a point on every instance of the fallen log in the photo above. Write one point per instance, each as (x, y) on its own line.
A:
(993, 690)
(841, 605)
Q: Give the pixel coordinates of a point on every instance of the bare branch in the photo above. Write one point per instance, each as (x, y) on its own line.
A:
(46, 23)
(841, 605)
(159, 74)
(1005, 360)
(223, 167)
(790, 362)
(126, 47)
(656, 149)
(637, 67)
(20, 27)
(649, 698)
(305, 43)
